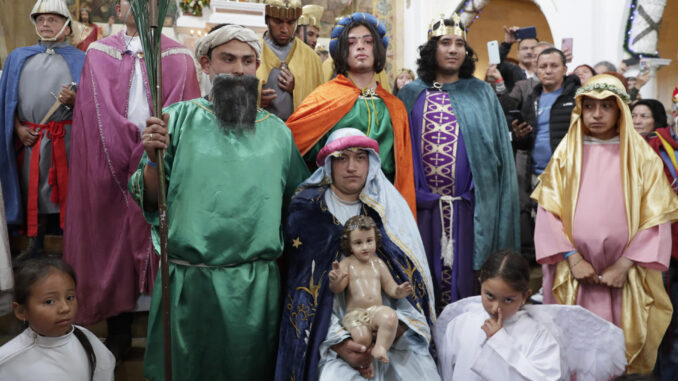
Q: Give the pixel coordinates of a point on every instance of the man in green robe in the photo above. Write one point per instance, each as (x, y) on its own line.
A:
(228, 181)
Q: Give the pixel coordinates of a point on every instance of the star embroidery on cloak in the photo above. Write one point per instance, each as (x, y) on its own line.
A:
(296, 243)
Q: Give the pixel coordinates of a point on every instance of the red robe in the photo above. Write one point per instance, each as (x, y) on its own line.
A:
(95, 34)
(328, 103)
(657, 146)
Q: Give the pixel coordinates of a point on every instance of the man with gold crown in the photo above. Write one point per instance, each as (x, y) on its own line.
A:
(110, 116)
(603, 232)
(308, 25)
(356, 99)
(467, 194)
(289, 68)
(35, 124)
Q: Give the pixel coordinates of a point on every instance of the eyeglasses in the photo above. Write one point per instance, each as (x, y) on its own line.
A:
(641, 116)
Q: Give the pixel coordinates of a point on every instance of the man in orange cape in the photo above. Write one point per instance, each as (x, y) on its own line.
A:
(355, 99)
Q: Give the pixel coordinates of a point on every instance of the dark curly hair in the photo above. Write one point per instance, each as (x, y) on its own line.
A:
(427, 64)
(357, 223)
(340, 53)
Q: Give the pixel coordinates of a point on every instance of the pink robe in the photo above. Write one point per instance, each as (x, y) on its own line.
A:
(106, 238)
(600, 233)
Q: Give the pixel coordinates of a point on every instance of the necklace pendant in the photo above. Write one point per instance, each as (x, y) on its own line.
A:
(50, 51)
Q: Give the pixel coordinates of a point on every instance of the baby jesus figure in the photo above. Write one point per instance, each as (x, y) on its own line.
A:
(366, 275)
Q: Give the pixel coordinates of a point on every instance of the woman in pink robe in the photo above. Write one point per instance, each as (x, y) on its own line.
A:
(602, 233)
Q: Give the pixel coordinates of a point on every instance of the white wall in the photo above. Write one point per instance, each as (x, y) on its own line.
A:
(417, 18)
(597, 27)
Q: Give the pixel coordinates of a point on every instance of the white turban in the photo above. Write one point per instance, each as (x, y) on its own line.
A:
(224, 35)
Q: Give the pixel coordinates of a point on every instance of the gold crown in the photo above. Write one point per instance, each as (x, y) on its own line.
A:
(438, 27)
(311, 15)
(283, 9)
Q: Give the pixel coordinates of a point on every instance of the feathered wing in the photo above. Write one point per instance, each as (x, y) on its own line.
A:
(450, 312)
(590, 347)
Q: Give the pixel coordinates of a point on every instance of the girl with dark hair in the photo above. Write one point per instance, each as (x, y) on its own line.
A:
(518, 345)
(496, 336)
(51, 347)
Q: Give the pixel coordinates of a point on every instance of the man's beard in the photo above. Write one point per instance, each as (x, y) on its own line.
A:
(235, 101)
(447, 71)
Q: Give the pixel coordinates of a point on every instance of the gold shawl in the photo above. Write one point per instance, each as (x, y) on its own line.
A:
(302, 61)
(649, 201)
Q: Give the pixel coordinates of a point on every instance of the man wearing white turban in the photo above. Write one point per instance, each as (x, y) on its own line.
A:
(230, 169)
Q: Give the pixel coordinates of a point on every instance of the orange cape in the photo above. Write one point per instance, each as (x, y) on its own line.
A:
(328, 103)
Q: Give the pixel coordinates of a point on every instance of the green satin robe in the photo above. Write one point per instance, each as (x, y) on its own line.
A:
(226, 193)
(371, 116)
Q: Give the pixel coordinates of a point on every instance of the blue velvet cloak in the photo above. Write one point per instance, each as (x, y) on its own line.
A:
(9, 96)
(488, 146)
(308, 301)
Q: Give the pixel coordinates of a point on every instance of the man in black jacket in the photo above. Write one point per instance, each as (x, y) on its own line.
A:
(548, 109)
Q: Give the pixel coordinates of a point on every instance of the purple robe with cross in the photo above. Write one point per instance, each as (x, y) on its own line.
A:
(445, 202)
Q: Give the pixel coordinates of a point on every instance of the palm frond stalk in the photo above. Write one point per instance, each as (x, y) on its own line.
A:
(149, 16)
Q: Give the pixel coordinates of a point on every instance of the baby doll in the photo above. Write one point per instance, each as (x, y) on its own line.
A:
(364, 275)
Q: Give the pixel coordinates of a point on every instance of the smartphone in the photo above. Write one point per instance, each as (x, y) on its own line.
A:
(493, 52)
(643, 66)
(516, 115)
(567, 43)
(527, 32)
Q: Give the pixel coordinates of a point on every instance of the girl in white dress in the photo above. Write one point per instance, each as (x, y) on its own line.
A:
(496, 339)
(52, 347)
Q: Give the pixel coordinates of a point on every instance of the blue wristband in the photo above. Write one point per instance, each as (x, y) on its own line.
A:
(565, 255)
(152, 164)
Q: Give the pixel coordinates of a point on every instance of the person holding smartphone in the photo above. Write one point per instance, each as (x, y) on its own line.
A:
(546, 113)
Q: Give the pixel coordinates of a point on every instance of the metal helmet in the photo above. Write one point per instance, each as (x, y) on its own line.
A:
(57, 7)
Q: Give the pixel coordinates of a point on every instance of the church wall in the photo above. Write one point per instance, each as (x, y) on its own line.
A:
(597, 28)
(490, 26)
(15, 25)
(667, 77)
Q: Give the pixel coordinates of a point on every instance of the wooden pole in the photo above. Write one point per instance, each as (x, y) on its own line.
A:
(156, 27)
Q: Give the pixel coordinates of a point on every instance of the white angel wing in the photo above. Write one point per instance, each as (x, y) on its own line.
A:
(590, 347)
(450, 312)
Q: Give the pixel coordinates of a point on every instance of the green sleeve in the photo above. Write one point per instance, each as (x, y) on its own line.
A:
(296, 173)
(135, 185)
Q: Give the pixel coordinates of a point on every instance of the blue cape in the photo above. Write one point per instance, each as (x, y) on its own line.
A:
(9, 94)
(312, 244)
(486, 135)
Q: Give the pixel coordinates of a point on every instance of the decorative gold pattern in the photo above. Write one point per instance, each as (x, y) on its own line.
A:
(438, 27)
(296, 243)
(283, 9)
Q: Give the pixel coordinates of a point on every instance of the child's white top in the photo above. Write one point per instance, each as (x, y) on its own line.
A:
(31, 357)
(521, 350)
